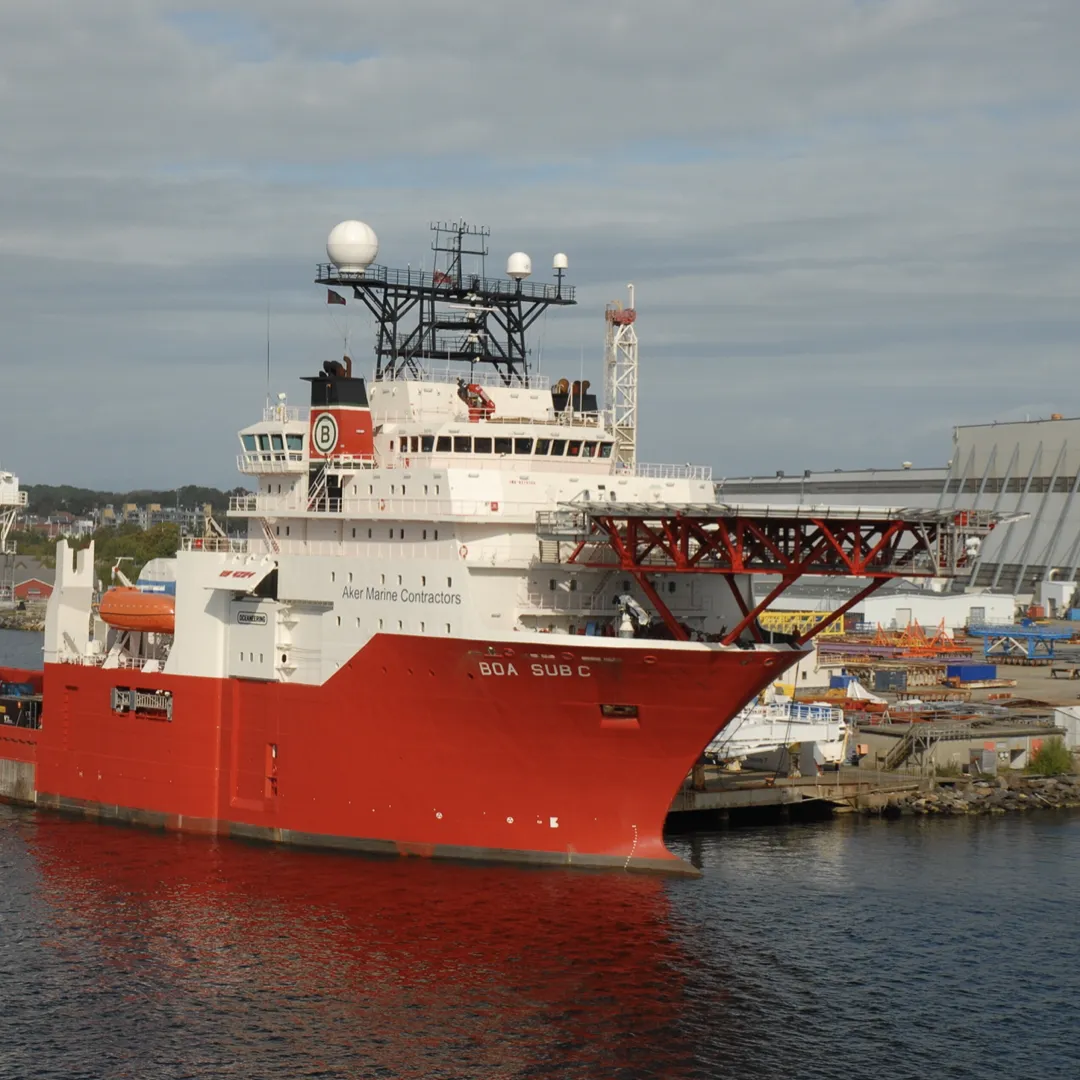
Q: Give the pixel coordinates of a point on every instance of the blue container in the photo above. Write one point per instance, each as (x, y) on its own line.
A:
(890, 681)
(16, 689)
(1074, 614)
(971, 672)
(840, 682)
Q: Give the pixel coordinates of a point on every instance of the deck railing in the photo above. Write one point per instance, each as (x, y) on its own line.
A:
(450, 284)
(665, 472)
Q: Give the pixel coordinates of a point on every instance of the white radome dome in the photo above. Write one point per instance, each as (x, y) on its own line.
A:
(352, 246)
(518, 266)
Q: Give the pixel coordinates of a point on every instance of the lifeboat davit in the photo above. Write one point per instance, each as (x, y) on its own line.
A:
(131, 609)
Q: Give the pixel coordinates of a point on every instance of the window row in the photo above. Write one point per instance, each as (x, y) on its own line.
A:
(484, 444)
(1013, 485)
(267, 443)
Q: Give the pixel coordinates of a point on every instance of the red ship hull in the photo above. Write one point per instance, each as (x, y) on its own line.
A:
(417, 746)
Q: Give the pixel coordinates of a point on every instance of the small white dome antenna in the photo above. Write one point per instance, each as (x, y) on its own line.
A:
(518, 266)
(352, 246)
(559, 264)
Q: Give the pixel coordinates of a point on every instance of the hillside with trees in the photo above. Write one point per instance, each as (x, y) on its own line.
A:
(47, 499)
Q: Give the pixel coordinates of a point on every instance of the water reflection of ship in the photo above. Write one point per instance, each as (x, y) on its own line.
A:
(414, 969)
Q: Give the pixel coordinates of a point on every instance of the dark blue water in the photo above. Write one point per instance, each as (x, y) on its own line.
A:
(20, 649)
(852, 948)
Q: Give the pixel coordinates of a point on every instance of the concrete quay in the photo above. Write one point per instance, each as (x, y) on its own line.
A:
(846, 789)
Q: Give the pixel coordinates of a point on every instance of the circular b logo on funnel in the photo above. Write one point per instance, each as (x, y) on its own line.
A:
(324, 433)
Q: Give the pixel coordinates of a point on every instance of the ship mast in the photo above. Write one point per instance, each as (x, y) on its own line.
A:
(621, 371)
(455, 313)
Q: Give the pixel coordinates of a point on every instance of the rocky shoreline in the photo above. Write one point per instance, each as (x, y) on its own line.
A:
(32, 618)
(995, 795)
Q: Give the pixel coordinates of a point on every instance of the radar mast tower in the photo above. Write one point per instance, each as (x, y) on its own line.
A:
(454, 314)
(621, 371)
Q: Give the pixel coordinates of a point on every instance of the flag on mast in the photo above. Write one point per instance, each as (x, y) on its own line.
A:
(334, 297)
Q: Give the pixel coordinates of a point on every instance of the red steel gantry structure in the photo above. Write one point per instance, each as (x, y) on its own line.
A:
(878, 544)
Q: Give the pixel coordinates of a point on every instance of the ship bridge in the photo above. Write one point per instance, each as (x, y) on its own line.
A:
(877, 544)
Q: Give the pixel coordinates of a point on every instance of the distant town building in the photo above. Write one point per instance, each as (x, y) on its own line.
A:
(33, 581)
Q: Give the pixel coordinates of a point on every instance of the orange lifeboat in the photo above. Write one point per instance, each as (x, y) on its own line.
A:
(130, 609)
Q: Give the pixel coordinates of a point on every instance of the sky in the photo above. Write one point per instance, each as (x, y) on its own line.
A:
(851, 224)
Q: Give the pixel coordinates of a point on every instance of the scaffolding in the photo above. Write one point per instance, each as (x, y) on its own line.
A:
(12, 500)
(797, 622)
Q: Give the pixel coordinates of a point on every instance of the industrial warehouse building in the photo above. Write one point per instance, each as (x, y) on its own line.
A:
(1025, 467)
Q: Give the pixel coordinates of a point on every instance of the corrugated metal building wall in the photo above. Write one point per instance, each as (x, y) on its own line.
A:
(1030, 467)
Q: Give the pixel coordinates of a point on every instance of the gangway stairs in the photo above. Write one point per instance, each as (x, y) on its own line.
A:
(920, 739)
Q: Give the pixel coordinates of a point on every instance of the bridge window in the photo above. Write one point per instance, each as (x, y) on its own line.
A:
(264, 442)
(605, 449)
(503, 446)
(443, 445)
(574, 448)
(427, 443)
(558, 447)
(294, 442)
(414, 442)
(462, 444)
(249, 442)
(277, 442)
(481, 446)
(543, 445)
(523, 446)
(588, 449)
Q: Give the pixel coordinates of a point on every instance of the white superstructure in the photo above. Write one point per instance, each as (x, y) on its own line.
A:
(410, 503)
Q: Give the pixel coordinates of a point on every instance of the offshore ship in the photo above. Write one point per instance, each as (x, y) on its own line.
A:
(432, 639)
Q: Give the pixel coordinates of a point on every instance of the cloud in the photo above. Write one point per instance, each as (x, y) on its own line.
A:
(850, 225)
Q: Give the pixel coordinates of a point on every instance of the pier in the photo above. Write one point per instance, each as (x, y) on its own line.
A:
(848, 788)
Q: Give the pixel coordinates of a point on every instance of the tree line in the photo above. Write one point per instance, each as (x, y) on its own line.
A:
(48, 499)
(136, 546)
